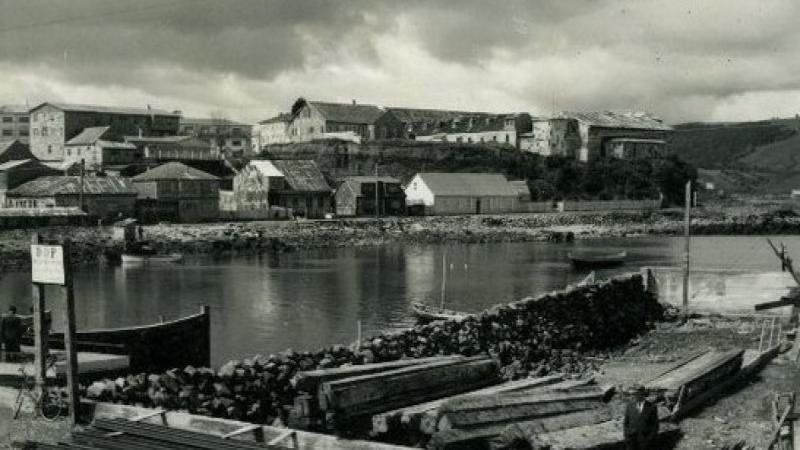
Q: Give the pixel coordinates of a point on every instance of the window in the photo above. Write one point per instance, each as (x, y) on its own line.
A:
(49, 149)
(494, 138)
(7, 133)
(44, 131)
(8, 119)
(469, 140)
(35, 131)
(236, 143)
(507, 139)
(24, 132)
(310, 130)
(69, 152)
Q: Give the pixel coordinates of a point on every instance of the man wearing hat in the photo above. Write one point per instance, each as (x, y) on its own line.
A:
(640, 425)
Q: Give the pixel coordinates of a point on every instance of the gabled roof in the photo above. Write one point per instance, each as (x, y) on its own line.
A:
(300, 174)
(211, 122)
(58, 185)
(348, 113)
(107, 109)
(609, 119)
(89, 136)
(13, 109)
(468, 184)
(266, 168)
(355, 182)
(13, 163)
(11, 150)
(174, 171)
(282, 117)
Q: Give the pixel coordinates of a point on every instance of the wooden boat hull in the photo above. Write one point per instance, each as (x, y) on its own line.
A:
(150, 348)
(427, 313)
(128, 258)
(597, 260)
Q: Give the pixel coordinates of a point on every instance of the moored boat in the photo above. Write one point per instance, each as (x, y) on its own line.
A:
(427, 313)
(153, 347)
(133, 258)
(597, 259)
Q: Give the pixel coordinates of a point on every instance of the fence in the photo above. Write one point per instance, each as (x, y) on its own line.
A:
(608, 205)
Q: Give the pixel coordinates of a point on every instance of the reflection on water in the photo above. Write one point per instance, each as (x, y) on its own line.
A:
(305, 300)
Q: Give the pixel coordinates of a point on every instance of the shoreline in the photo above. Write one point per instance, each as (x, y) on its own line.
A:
(92, 244)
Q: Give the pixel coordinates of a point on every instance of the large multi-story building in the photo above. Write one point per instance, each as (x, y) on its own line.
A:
(274, 130)
(317, 120)
(14, 123)
(53, 124)
(225, 135)
(604, 134)
(552, 137)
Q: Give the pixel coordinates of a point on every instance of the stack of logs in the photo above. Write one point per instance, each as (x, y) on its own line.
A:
(531, 337)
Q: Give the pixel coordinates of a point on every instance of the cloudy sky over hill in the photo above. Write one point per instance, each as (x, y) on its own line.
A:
(249, 59)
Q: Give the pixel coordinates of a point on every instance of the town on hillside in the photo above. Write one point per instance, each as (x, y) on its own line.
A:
(318, 160)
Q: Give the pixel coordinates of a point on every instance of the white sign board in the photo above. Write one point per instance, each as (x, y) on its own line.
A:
(47, 264)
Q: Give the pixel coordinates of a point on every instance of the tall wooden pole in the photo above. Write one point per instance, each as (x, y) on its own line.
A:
(687, 221)
(69, 337)
(377, 200)
(40, 329)
(444, 277)
(83, 174)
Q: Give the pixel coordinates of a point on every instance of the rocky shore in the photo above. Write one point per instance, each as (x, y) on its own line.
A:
(96, 244)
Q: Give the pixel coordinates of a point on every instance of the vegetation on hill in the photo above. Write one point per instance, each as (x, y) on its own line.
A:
(548, 178)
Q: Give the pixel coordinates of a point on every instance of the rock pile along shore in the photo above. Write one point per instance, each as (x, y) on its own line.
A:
(95, 244)
(531, 337)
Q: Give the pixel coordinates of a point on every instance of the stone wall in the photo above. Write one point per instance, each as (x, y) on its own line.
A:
(530, 337)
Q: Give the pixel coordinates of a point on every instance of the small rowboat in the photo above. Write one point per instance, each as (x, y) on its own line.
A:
(597, 259)
(132, 258)
(427, 313)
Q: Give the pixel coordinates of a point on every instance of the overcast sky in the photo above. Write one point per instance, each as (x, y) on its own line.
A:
(683, 60)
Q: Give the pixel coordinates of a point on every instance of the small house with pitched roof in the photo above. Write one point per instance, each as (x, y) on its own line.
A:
(103, 197)
(357, 196)
(461, 193)
(313, 120)
(101, 150)
(295, 184)
(177, 192)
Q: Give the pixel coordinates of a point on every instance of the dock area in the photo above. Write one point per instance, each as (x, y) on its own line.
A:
(90, 365)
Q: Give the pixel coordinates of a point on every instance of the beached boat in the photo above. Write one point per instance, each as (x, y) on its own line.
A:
(134, 258)
(154, 347)
(597, 259)
(427, 313)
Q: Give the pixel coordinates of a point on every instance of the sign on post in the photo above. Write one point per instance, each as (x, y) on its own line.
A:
(47, 264)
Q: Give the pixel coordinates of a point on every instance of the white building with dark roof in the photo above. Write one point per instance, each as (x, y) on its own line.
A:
(461, 193)
(100, 150)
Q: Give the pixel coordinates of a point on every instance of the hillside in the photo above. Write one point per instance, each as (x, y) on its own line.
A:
(737, 145)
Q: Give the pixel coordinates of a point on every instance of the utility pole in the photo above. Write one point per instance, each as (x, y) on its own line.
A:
(80, 195)
(687, 221)
(377, 201)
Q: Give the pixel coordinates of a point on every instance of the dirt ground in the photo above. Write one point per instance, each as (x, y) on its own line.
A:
(742, 413)
(27, 426)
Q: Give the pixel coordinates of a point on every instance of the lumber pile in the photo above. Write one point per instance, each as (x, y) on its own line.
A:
(334, 399)
(477, 420)
(693, 377)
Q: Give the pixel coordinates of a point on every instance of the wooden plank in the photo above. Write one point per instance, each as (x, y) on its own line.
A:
(477, 411)
(310, 380)
(526, 431)
(381, 423)
(693, 370)
(384, 391)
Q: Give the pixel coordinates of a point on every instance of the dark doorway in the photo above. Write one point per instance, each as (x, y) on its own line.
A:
(477, 206)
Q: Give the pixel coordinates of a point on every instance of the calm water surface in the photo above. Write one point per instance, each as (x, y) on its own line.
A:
(305, 300)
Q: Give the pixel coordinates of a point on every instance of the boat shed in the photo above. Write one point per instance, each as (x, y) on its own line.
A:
(177, 192)
(461, 193)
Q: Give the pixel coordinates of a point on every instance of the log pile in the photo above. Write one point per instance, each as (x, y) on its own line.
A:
(480, 421)
(532, 337)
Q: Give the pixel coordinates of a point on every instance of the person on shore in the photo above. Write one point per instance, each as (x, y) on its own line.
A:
(640, 424)
(10, 333)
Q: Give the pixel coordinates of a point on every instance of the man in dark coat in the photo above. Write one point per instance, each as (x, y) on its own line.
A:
(640, 425)
(11, 332)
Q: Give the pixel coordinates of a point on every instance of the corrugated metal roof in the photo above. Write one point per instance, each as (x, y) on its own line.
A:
(58, 185)
(14, 149)
(349, 113)
(355, 182)
(609, 119)
(88, 136)
(108, 109)
(415, 115)
(468, 184)
(636, 140)
(174, 171)
(302, 175)
(211, 122)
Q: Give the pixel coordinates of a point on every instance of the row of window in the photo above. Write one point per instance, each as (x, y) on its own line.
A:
(494, 139)
(9, 132)
(10, 119)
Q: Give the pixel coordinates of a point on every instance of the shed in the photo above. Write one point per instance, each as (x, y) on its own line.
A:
(177, 192)
(356, 196)
(461, 193)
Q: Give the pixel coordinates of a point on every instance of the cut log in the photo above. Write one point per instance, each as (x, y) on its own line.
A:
(416, 416)
(598, 436)
(695, 369)
(374, 393)
(503, 435)
(527, 430)
(484, 410)
(310, 380)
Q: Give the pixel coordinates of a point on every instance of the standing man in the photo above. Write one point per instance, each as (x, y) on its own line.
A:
(640, 425)
(10, 333)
